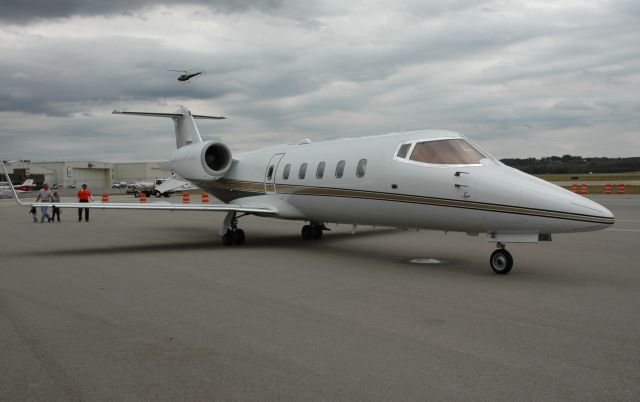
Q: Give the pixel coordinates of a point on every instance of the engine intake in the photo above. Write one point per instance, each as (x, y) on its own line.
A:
(203, 161)
(217, 157)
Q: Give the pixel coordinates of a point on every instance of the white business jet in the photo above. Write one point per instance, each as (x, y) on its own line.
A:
(430, 179)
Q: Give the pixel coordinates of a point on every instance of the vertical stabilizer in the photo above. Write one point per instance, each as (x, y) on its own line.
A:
(185, 125)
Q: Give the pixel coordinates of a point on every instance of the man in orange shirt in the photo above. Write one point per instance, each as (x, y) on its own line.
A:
(84, 195)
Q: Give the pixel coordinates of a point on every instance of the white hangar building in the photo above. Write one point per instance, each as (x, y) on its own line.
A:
(97, 175)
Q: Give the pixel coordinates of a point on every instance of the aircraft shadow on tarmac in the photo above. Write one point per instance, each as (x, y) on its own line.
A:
(212, 242)
(331, 245)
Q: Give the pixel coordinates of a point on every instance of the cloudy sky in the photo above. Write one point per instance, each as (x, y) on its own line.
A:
(522, 78)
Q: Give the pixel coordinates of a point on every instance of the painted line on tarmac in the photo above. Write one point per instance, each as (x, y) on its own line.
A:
(624, 230)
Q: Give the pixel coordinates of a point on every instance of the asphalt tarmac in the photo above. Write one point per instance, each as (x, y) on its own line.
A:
(150, 306)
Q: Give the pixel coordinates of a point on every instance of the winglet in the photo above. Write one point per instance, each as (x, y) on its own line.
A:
(15, 194)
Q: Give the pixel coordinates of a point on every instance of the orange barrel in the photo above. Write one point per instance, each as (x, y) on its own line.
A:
(185, 197)
(607, 188)
(621, 189)
(574, 188)
(205, 198)
(584, 189)
(143, 197)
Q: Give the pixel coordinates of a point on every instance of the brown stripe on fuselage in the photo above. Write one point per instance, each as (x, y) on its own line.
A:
(258, 187)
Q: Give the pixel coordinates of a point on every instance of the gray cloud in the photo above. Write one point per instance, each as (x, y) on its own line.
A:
(24, 11)
(518, 78)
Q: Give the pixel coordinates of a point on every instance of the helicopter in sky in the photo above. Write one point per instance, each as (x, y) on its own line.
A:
(187, 74)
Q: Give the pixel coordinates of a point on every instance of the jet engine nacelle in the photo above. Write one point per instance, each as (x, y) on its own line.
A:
(209, 160)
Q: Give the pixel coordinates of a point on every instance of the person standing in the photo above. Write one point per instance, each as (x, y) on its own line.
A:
(84, 195)
(44, 195)
(56, 210)
(34, 214)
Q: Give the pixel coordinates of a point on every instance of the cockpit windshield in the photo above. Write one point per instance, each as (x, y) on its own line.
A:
(446, 152)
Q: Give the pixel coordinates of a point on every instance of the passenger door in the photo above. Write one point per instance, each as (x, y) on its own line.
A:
(270, 174)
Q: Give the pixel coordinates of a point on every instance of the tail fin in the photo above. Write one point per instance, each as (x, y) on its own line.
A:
(185, 126)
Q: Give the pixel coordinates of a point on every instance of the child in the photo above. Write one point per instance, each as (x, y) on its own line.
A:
(33, 212)
(56, 210)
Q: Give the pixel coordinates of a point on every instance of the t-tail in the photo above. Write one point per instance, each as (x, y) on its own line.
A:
(186, 130)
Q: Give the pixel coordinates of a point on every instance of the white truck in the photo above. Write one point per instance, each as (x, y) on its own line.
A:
(159, 187)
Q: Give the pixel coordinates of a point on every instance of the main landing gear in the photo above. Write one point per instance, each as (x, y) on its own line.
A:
(313, 231)
(232, 235)
(501, 260)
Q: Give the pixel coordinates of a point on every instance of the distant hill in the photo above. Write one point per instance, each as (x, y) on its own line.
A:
(574, 164)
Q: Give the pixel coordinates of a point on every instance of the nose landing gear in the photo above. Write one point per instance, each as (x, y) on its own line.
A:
(501, 260)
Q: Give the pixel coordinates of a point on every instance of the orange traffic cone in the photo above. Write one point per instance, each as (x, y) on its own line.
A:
(185, 197)
(205, 198)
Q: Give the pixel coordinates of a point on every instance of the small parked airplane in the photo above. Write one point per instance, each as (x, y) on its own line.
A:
(21, 188)
(430, 179)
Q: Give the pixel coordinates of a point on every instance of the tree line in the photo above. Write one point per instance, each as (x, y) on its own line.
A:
(573, 164)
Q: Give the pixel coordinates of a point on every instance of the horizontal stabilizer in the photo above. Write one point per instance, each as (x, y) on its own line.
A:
(185, 126)
(170, 115)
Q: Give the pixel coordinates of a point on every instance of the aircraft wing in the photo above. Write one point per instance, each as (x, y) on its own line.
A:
(158, 206)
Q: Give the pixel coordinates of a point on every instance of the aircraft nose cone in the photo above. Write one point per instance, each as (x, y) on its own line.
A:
(583, 205)
(602, 217)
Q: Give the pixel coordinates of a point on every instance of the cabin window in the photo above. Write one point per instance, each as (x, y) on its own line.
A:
(340, 169)
(446, 152)
(285, 172)
(362, 167)
(320, 170)
(270, 173)
(403, 151)
(303, 171)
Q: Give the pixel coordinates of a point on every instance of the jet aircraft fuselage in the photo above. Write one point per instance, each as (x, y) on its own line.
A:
(382, 180)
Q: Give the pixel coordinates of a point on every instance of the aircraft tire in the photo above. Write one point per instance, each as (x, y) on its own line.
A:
(238, 237)
(501, 261)
(306, 232)
(227, 239)
(316, 232)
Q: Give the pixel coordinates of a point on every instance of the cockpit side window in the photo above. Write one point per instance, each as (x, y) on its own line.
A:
(403, 151)
(446, 152)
